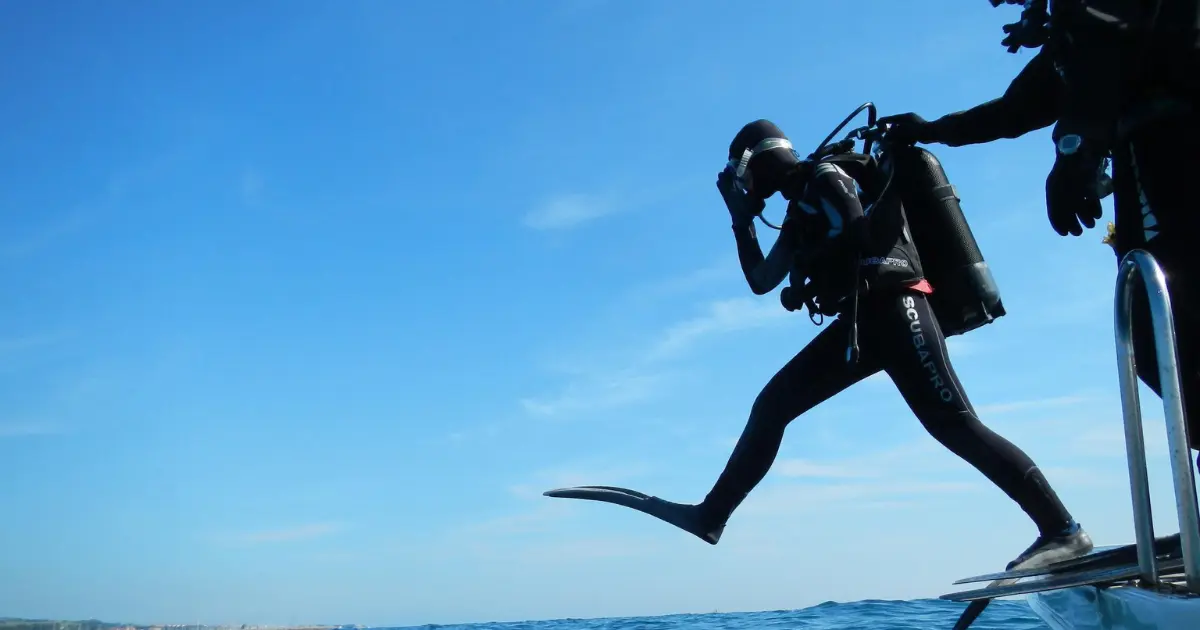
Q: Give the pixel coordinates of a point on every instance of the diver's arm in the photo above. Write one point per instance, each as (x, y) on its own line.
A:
(764, 274)
(1104, 61)
(1031, 102)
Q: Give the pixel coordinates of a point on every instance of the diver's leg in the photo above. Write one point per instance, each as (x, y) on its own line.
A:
(916, 359)
(1157, 209)
(814, 375)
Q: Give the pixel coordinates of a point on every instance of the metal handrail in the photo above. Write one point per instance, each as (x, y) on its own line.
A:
(1141, 265)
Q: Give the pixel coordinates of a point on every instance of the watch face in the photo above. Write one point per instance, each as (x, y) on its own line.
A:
(1069, 144)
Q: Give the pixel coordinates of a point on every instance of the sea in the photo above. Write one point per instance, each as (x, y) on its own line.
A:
(921, 614)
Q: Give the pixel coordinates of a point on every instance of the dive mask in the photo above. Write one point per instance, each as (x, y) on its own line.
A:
(743, 177)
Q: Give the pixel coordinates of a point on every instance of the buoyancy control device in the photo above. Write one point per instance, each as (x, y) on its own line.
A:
(965, 295)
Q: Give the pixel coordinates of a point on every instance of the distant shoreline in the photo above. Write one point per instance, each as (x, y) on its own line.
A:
(9, 623)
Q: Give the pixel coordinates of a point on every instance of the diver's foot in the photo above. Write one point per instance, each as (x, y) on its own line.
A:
(689, 518)
(1070, 543)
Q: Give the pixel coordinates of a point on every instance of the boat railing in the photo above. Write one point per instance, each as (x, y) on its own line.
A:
(1139, 269)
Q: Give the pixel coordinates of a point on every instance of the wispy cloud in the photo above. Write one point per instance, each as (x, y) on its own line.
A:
(578, 474)
(1087, 477)
(599, 392)
(723, 316)
(539, 514)
(609, 376)
(722, 268)
(485, 430)
(57, 225)
(537, 519)
(289, 534)
(575, 551)
(1026, 405)
(920, 458)
(1108, 440)
(644, 377)
(806, 468)
(568, 211)
(800, 498)
(959, 347)
(1101, 441)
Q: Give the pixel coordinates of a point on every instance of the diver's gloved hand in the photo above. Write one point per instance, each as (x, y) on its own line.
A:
(790, 299)
(742, 207)
(1032, 30)
(908, 129)
(1024, 34)
(1073, 188)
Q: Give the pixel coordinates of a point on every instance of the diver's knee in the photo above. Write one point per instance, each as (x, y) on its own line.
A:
(767, 411)
(950, 426)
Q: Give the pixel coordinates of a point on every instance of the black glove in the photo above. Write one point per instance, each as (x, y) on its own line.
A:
(1031, 32)
(742, 207)
(791, 298)
(797, 298)
(908, 129)
(1073, 191)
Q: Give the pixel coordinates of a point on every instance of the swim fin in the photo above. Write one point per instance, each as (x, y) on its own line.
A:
(1168, 546)
(685, 517)
(1043, 552)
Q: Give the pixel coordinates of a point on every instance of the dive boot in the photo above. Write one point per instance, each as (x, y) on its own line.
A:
(1069, 543)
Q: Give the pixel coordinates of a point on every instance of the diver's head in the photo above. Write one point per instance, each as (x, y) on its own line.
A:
(761, 157)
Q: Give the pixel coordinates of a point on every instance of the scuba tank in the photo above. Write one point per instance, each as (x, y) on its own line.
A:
(965, 295)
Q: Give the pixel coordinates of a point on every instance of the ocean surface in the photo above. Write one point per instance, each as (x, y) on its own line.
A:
(925, 614)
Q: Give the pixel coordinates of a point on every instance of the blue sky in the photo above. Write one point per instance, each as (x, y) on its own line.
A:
(305, 303)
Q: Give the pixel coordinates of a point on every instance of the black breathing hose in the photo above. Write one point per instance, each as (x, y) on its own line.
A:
(868, 134)
(853, 352)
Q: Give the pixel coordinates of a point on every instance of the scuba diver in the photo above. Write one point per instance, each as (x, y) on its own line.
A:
(846, 247)
(1120, 80)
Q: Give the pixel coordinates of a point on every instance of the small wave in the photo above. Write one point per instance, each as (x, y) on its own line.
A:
(870, 614)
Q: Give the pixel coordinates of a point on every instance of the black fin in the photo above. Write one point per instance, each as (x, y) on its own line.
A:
(685, 517)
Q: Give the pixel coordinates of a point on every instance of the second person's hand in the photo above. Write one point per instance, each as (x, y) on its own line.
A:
(908, 129)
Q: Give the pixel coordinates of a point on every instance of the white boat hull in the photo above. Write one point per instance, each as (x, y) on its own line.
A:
(1119, 608)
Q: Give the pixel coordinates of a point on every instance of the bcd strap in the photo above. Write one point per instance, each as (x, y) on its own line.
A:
(939, 194)
(767, 144)
(942, 193)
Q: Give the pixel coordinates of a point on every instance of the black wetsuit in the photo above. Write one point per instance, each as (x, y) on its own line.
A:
(898, 334)
(1135, 93)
